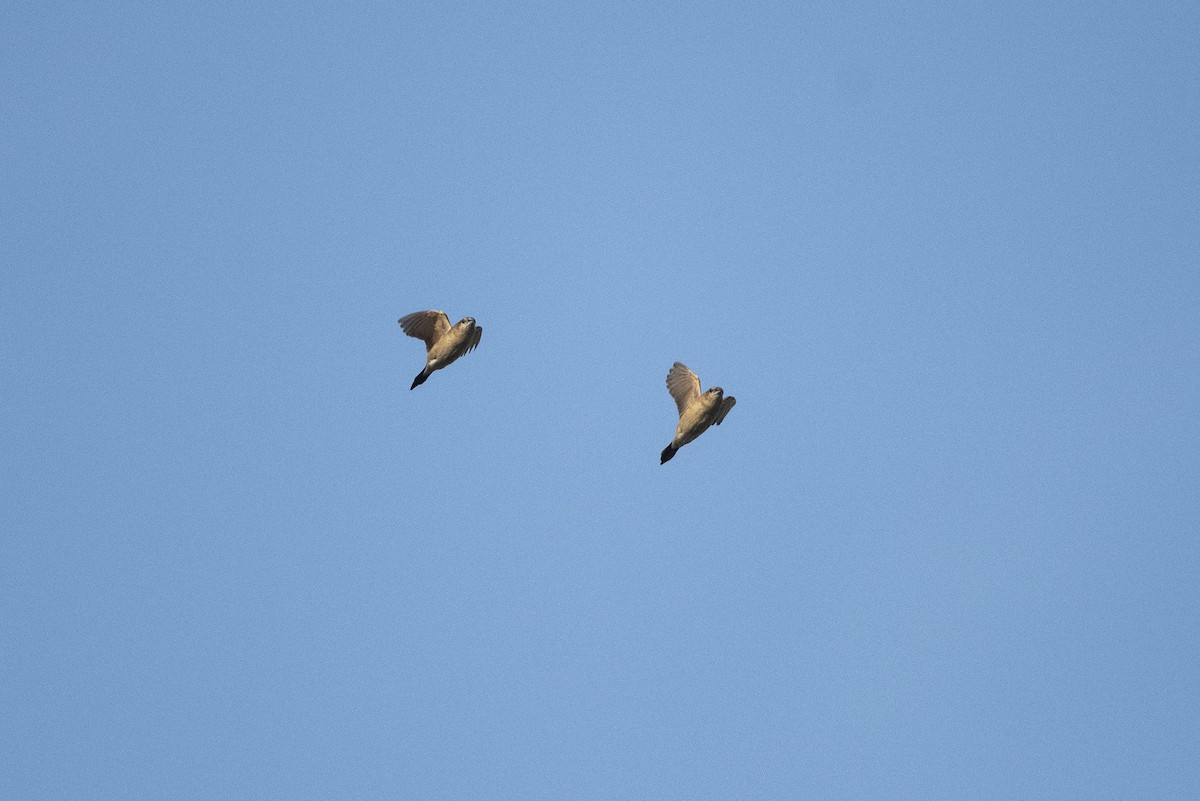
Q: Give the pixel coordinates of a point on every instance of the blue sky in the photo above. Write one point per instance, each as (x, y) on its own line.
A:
(944, 255)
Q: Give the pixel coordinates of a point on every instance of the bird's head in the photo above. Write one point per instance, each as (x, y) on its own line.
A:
(467, 321)
(715, 391)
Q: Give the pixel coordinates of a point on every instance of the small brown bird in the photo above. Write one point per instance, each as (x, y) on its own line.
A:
(697, 411)
(443, 343)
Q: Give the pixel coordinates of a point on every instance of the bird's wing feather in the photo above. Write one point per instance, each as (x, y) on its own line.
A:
(726, 405)
(429, 326)
(474, 339)
(683, 385)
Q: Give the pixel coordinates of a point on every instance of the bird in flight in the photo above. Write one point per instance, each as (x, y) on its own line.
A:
(443, 343)
(697, 410)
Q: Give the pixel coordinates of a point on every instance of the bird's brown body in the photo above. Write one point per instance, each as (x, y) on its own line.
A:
(697, 410)
(443, 343)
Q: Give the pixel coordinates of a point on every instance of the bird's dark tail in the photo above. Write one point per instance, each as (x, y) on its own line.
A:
(667, 453)
(419, 380)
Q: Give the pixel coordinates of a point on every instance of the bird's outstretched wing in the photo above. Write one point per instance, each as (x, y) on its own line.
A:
(683, 385)
(429, 326)
(474, 343)
(726, 405)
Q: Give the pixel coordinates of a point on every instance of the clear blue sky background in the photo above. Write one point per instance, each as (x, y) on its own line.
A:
(944, 255)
